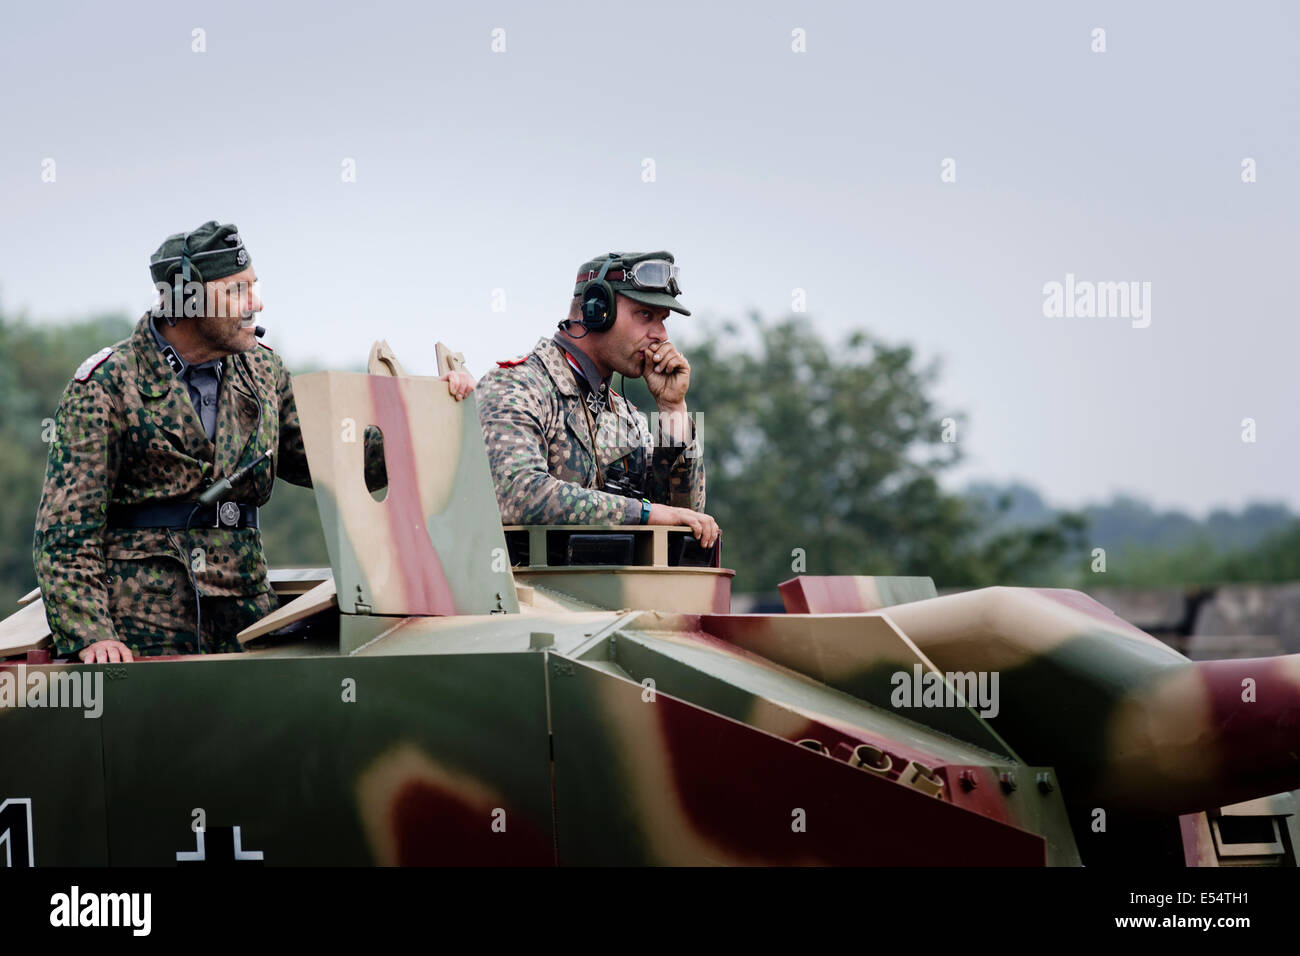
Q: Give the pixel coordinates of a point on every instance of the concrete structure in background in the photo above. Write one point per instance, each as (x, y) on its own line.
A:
(1266, 615)
(1213, 623)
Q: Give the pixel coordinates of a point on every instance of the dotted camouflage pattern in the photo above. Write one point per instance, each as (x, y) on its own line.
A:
(153, 622)
(540, 451)
(129, 434)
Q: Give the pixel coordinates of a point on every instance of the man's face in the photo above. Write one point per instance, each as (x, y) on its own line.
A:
(637, 327)
(231, 313)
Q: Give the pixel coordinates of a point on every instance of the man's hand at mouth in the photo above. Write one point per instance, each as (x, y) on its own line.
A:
(667, 375)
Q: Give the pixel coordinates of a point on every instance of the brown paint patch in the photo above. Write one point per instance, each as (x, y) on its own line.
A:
(741, 788)
(707, 790)
(417, 812)
(434, 826)
(423, 581)
(1258, 740)
(827, 594)
(1189, 742)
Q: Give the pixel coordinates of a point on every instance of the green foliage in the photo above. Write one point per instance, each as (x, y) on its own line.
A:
(1149, 548)
(1276, 558)
(1204, 562)
(833, 452)
(35, 366)
(36, 363)
(291, 532)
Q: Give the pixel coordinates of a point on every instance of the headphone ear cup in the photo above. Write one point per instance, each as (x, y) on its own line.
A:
(598, 306)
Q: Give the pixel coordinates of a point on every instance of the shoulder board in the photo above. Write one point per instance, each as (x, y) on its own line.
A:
(86, 368)
(511, 363)
(265, 346)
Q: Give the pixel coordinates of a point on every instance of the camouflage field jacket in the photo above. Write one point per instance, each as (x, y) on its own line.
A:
(539, 447)
(126, 432)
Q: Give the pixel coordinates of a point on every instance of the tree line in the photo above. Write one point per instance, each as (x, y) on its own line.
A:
(822, 457)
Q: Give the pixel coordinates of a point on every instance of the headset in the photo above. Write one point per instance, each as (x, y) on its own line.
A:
(190, 271)
(187, 265)
(598, 300)
(187, 268)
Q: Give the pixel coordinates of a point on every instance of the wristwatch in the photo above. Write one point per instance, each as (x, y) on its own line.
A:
(645, 510)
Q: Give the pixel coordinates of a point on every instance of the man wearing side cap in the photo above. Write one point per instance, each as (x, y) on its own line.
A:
(563, 447)
(143, 428)
(190, 403)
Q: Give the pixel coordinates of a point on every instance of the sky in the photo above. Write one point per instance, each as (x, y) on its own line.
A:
(923, 171)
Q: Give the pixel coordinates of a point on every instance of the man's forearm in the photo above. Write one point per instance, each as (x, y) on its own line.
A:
(539, 498)
(71, 574)
(674, 427)
(68, 546)
(677, 477)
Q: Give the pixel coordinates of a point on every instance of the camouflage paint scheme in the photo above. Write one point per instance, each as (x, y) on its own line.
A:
(1118, 712)
(126, 432)
(852, 592)
(597, 716)
(540, 448)
(425, 547)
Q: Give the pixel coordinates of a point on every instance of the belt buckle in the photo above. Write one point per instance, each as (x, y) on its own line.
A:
(227, 515)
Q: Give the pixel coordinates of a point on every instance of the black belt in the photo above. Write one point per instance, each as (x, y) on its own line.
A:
(224, 514)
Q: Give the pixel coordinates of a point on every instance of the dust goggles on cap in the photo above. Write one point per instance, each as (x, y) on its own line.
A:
(646, 274)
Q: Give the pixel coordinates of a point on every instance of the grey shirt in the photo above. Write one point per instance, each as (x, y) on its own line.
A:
(202, 381)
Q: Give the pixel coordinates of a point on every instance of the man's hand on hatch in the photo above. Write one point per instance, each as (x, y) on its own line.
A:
(459, 382)
(702, 526)
(106, 652)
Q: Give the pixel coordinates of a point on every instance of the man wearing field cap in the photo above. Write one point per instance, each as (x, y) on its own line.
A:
(563, 446)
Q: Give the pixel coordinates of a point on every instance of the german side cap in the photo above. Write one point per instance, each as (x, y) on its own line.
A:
(214, 251)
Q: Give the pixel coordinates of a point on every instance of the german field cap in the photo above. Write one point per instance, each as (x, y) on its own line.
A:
(646, 277)
(213, 251)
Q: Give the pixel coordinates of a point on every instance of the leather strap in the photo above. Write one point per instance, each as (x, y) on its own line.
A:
(613, 275)
(174, 515)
